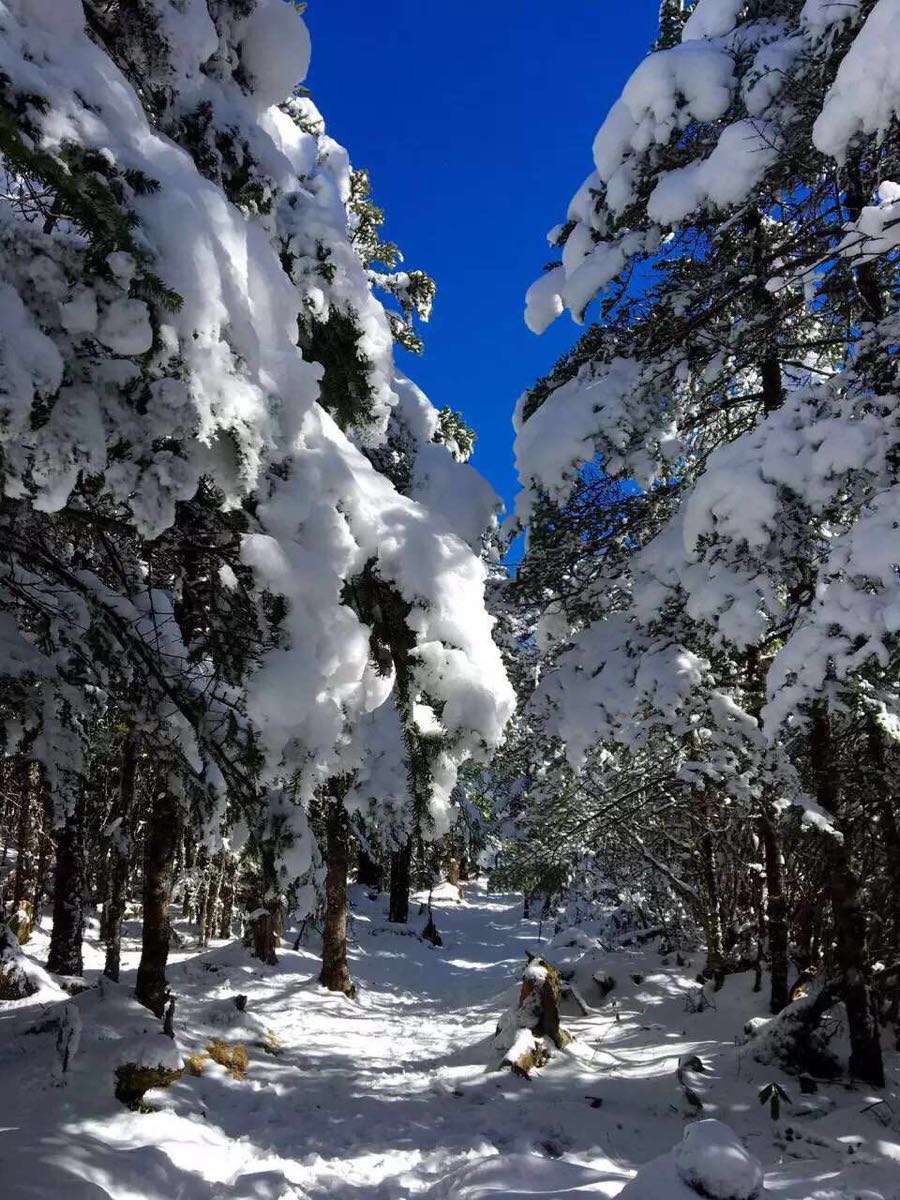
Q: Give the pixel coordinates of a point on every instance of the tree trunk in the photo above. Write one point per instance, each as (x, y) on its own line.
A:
(43, 869)
(115, 914)
(265, 937)
(25, 856)
(187, 866)
(464, 867)
(201, 894)
(710, 917)
(885, 802)
(65, 957)
(776, 915)
(335, 974)
(114, 909)
(226, 912)
(267, 921)
(160, 846)
(24, 915)
(213, 895)
(401, 863)
(368, 871)
(850, 926)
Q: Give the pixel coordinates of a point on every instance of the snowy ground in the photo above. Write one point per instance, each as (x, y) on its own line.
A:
(388, 1097)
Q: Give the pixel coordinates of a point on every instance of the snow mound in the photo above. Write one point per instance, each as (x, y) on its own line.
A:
(262, 1185)
(514, 1176)
(710, 1162)
(23, 981)
(448, 892)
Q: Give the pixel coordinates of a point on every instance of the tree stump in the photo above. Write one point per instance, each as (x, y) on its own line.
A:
(524, 1033)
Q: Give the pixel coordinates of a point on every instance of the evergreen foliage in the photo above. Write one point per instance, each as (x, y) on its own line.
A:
(227, 514)
(708, 478)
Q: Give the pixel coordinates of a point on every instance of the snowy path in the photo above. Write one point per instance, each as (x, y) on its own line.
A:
(383, 1098)
(389, 1097)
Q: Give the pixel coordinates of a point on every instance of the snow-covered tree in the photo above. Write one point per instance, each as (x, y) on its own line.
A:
(199, 381)
(737, 398)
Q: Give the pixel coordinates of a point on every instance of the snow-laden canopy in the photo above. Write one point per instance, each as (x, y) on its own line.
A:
(164, 359)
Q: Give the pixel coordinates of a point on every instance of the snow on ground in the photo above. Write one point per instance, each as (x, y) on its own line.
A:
(389, 1097)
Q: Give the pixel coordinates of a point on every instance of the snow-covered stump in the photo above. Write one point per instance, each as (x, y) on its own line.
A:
(22, 921)
(19, 976)
(796, 1040)
(155, 1061)
(710, 1161)
(526, 1053)
(523, 1033)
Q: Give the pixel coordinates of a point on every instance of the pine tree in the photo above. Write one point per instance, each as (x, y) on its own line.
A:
(689, 542)
(184, 519)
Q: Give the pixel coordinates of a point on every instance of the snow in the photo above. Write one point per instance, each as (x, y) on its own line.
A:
(744, 152)
(125, 328)
(695, 78)
(393, 1096)
(275, 51)
(711, 1160)
(711, 19)
(65, 17)
(669, 89)
(226, 394)
(564, 433)
(543, 301)
(876, 230)
(819, 16)
(865, 95)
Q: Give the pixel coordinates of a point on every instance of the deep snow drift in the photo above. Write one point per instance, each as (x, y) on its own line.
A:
(392, 1096)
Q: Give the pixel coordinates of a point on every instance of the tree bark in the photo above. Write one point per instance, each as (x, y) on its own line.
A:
(710, 917)
(368, 871)
(114, 911)
(201, 894)
(25, 856)
(213, 895)
(886, 804)
(187, 866)
(776, 915)
(43, 870)
(160, 846)
(850, 926)
(267, 921)
(65, 955)
(226, 911)
(335, 973)
(401, 864)
(24, 915)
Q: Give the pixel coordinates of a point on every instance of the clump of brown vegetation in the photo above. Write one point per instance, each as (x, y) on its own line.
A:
(232, 1056)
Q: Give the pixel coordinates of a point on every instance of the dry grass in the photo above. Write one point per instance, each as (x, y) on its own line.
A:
(233, 1057)
(193, 1064)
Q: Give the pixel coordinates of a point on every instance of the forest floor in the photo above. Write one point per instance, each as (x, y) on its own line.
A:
(392, 1096)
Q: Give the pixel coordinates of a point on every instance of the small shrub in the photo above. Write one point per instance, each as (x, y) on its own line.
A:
(774, 1095)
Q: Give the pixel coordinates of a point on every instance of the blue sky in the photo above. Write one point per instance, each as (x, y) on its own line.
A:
(476, 122)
